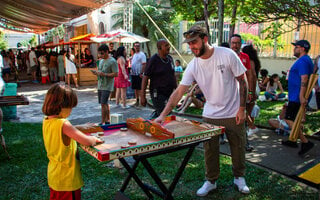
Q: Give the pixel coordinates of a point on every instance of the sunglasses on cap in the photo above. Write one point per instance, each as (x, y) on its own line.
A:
(192, 33)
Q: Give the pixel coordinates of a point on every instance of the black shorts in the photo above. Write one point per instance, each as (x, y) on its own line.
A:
(136, 81)
(6, 71)
(292, 110)
(103, 96)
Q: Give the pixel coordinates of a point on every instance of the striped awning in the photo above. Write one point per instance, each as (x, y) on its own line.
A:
(41, 15)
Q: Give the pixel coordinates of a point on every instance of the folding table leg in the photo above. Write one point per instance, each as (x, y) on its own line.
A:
(132, 173)
(156, 178)
(181, 168)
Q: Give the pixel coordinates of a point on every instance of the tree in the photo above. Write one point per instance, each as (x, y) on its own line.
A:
(3, 42)
(192, 10)
(303, 12)
(30, 43)
(261, 44)
(142, 25)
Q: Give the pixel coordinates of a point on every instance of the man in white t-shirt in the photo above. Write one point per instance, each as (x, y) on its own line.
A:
(221, 77)
(138, 65)
(33, 65)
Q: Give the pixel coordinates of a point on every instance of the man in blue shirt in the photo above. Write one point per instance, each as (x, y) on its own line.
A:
(297, 85)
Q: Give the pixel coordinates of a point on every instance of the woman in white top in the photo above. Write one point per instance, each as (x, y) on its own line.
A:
(70, 67)
(271, 90)
(7, 66)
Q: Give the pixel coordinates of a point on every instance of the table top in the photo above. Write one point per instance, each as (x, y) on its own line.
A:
(138, 136)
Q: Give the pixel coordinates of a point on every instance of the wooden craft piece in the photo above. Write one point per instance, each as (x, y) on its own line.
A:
(125, 146)
(101, 133)
(132, 142)
(143, 126)
(135, 124)
(89, 129)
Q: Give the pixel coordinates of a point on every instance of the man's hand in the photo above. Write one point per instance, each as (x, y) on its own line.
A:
(303, 101)
(241, 116)
(159, 119)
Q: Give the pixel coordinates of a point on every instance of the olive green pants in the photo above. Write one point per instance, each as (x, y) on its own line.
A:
(237, 139)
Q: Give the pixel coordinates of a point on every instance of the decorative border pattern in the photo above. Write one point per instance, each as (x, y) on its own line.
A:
(139, 149)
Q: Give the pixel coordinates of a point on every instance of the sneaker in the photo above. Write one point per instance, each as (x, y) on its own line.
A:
(35, 81)
(252, 131)
(290, 144)
(241, 184)
(137, 104)
(206, 188)
(125, 107)
(305, 147)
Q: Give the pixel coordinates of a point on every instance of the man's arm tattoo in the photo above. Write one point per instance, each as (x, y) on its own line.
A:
(243, 91)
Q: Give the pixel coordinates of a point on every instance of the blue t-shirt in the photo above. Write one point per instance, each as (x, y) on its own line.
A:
(178, 69)
(303, 66)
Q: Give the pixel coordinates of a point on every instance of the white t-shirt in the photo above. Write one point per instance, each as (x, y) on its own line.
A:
(216, 77)
(32, 55)
(136, 64)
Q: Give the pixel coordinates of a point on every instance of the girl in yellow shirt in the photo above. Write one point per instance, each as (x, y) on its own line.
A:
(60, 141)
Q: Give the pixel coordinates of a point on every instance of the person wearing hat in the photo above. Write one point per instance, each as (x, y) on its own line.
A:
(221, 77)
(297, 85)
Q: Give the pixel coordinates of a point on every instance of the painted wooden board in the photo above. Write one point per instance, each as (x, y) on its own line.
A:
(119, 143)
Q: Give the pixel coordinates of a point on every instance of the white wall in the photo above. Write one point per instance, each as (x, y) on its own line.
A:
(14, 38)
(276, 65)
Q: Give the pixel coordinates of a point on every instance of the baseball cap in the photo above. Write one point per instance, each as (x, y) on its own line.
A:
(303, 43)
(194, 32)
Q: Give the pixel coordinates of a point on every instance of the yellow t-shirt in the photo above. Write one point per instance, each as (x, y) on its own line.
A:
(64, 166)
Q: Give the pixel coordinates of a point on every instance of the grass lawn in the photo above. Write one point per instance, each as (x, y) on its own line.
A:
(24, 176)
(271, 109)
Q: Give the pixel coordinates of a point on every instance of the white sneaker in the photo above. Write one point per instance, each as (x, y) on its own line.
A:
(206, 188)
(241, 184)
(252, 131)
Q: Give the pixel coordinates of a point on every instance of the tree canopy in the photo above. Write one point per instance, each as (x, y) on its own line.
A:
(142, 25)
(192, 10)
(305, 11)
(3, 42)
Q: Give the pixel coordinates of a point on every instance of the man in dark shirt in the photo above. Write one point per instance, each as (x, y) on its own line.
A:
(160, 71)
(88, 59)
(112, 51)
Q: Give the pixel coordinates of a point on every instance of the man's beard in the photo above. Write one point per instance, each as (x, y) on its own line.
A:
(202, 50)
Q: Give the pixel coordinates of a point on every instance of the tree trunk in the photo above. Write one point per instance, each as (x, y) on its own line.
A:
(205, 10)
(145, 33)
(221, 21)
(233, 19)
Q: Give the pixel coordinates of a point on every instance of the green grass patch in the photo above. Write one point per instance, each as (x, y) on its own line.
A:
(271, 109)
(24, 176)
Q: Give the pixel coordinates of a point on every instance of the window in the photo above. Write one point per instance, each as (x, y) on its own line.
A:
(101, 28)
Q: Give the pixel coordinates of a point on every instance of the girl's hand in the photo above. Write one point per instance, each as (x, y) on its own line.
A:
(97, 141)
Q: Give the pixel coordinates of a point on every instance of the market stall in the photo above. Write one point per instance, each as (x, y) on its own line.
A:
(85, 76)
